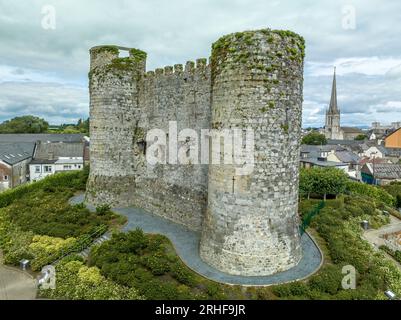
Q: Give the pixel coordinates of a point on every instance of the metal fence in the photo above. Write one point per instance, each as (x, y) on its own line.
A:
(309, 216)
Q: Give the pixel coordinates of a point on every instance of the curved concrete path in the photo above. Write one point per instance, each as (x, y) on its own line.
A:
(186, 243)
(16, 284)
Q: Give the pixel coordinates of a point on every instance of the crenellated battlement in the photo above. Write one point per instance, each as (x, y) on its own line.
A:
(200, 66)
(252, 80)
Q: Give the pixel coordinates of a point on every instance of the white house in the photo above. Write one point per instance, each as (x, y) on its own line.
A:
(375, 152)
(52, 157)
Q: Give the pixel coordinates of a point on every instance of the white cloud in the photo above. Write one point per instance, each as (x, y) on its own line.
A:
(15, 74)
(56, 102)
(370, 66)
(389, 107)
(368, 58)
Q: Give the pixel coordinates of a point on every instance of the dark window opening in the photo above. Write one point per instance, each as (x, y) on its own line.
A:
(142, 146)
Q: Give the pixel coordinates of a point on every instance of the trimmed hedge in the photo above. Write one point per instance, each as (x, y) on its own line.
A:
(377, 193)
(75, 281)
(149, 264)
(339, 226)
(36, 219)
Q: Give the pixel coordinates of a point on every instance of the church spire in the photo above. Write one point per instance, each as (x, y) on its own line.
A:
(333, 101)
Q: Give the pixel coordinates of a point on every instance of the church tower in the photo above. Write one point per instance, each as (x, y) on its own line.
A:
(332, 129)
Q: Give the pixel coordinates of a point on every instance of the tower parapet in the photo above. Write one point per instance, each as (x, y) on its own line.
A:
(114, 115)
(251, 223)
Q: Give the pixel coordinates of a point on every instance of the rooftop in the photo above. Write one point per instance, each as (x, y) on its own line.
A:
(54, 150)
(347, 156)
(12, 153)
(321, 163)
(44, 137)
(385, 170)
(352, 130)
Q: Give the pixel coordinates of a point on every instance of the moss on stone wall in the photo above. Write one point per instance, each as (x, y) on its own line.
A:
(138, 55)
(237, 46)
(111, 49)
(285, 127)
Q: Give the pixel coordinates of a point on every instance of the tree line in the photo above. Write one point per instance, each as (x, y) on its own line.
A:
(32, 124)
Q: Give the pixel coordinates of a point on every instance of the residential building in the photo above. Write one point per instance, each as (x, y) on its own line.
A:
(375, 151)
(393, 140)
(53, 157)
(380, 173)
(14, 160)
(317, 156)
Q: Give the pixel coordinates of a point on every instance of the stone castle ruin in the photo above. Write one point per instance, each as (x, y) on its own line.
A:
(254, 79)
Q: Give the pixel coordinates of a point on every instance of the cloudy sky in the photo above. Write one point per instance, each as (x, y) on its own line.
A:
(44, 65)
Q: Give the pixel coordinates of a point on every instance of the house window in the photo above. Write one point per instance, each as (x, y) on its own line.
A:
(5, 178)
(37, 169)
(47, 169)
(67, 167)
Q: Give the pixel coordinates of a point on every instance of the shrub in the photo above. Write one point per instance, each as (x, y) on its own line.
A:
(378, 194)
(157, 263)
(328, 280)
(159, 290)
(291, 290)
(75, 281)
(47, 249)
(182, 274)
(103, 209)
(214, 291)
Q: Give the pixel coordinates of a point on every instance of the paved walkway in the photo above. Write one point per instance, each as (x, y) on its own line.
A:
(373, 236)
(15, 284)
(186, 243)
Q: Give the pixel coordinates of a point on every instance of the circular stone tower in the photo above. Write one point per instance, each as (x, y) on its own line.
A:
(114, 114)
(251, 226)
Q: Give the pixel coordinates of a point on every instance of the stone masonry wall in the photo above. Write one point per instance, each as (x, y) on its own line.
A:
(126, 102)
(249, 223)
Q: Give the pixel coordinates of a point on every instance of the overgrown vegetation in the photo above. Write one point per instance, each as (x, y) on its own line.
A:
(36, 220)
(396, 254)
(135, 265)
(394, 188)
(76, 281)
(378, 194)
(339, 226)
(149, 264)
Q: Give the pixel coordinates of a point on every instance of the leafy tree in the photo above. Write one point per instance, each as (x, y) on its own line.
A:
(314, 138)
(24, 124)
(360, 137)
(306, 183)
(82, 126)
(323, 181)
